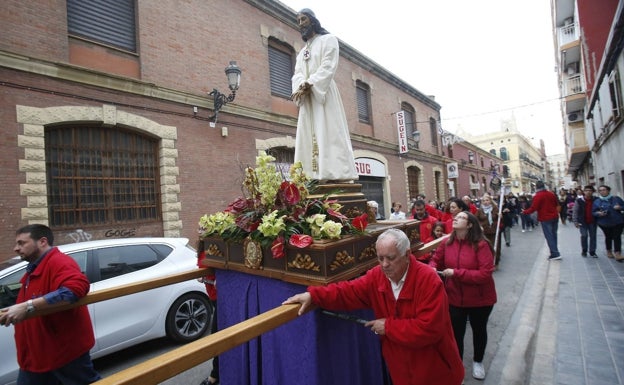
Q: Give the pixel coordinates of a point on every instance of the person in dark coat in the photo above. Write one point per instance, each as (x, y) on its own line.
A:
(584, 221)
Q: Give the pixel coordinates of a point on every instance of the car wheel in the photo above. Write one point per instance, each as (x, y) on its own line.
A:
(188, 318)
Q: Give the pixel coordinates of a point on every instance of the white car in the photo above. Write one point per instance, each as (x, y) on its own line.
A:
(180, 311)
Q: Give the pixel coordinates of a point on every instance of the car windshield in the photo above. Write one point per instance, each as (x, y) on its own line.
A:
(9, 282)
(9, 262)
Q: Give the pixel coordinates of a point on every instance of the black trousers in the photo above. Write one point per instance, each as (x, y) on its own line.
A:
(478, 317)
(613, 237)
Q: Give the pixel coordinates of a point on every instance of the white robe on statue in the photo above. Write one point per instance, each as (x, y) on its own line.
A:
(322, 114)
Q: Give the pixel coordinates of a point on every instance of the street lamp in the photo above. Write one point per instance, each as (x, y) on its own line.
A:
(233, 73)
(416, 136)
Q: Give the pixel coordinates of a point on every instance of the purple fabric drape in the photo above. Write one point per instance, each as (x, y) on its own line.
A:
(313, 349)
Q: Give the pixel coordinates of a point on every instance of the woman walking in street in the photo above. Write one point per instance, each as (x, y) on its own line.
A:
(465, 261)
(508, 219)
(487, 214)
(607, 210)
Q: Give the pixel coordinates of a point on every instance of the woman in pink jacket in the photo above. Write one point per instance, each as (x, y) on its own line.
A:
(465, 261)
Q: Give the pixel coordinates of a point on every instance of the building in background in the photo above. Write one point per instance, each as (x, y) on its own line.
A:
(589, 39)
(558, 171)
(475, 167)
(526, 163)
(109, 126)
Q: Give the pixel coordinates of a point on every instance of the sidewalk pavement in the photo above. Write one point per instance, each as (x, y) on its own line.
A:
(570, 322)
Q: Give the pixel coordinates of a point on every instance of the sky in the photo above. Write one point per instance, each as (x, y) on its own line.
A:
(485, 61)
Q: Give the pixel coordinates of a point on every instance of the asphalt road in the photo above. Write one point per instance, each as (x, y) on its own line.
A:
(139, 353)
(511, 279)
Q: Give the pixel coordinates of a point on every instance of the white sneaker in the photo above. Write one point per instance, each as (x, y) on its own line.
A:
(523, 231)
(478, 371)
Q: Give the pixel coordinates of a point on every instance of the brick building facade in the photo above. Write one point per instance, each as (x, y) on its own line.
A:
(63, 91)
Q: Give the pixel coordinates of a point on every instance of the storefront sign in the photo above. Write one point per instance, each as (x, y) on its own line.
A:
(402, 131)
(370, 167)
(452, 170)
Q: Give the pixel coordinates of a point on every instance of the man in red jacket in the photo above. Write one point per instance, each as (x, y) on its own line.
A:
(425, 228)
(547, 206)
(411, 310)
(53, 348)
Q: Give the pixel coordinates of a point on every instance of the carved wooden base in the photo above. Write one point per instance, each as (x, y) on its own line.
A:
(323, 262)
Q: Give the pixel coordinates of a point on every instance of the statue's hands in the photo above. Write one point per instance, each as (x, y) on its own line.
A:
(304, 90)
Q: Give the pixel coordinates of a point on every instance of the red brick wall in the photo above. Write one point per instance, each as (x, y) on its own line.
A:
(184, 46)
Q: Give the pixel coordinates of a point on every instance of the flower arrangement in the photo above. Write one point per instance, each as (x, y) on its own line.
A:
(276, 210)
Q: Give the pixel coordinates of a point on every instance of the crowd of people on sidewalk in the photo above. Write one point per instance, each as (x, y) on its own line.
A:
(586, 208)
(481, 225)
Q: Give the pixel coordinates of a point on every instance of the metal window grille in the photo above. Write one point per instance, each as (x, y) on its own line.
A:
(413, 176)
(109, 22)
(284, 158)
(101, 176)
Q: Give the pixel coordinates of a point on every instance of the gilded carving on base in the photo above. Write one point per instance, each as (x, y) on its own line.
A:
(414, 235)
(368, 253)
(304, 262)
(213, 250)
(253, 254)
(342, 259)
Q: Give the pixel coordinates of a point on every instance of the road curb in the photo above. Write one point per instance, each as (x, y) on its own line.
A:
(542, 368)
(519, 360)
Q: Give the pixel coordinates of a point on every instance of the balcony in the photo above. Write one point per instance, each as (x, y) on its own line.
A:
(567, 34)
(579, 149)
(573, 85)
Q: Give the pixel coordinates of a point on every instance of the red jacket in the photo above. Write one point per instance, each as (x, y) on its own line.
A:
(472, 284)
(50, 342)
(426, 228)
(419, 347)
(546, 204)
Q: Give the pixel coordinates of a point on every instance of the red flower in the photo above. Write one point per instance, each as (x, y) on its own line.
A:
(247, 223)
(277, 248)
(239, 205)
(291, 193)
(301, 240)
(360, 222)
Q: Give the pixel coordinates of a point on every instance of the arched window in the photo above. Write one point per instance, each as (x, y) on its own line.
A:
(493, 152)
(433, 129)
(503, 153)
(101, 176)
(410, 122)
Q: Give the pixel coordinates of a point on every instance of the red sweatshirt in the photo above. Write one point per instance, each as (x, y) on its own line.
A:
(418, 347)
(49, 342)
(546, 204)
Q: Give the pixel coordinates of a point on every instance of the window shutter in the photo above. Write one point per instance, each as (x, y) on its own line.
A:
(362, 104)
(281, 72)
(109, 22)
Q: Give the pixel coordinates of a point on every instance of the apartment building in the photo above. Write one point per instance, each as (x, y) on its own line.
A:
(589, 39)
